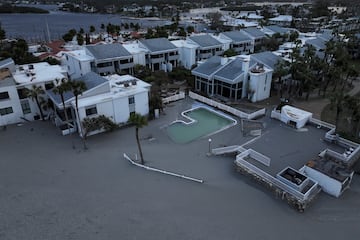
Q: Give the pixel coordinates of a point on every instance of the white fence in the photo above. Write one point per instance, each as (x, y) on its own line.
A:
(227, 108)
(163, 171)
(322, 123)
(174, 98)
(227, 149)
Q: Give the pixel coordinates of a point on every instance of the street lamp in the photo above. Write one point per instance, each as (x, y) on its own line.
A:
(209, 145)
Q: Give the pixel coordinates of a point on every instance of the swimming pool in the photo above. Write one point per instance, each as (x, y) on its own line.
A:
(202, 122)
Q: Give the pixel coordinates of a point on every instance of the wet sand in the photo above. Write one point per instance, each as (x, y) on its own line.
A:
(48, 190)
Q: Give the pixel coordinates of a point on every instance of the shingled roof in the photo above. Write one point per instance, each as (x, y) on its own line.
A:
(107, 51)
(205, 40)
(158, 44)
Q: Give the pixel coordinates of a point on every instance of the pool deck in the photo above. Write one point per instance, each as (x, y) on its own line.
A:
(48, 190)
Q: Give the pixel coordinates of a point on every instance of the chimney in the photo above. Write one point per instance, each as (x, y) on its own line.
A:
(223, 60)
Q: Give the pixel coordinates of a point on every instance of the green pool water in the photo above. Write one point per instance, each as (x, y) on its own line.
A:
(204, 122)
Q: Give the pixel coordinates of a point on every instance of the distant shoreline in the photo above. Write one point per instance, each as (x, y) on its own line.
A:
(9, 9)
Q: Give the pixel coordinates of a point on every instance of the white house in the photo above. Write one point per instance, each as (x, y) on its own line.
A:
(240, 42)
(208, 46)
(37, 74)
(161, 54)
(114, 96)
(110, 58)
(10, 107)
(78, 63)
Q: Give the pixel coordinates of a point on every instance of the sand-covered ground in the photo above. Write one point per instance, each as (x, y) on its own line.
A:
(50, 191)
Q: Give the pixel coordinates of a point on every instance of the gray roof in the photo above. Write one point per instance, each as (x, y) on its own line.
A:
(237, 36)
(7, 82)
(90, 79)
(254, 32)
(209, 67)
(106, 51)
(158, 44)
(6, 62)
(205, 40)
(230, 71)
(267, 58)
(277, 29)
(318, 43)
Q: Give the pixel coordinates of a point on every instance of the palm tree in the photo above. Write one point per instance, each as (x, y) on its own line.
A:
(139, 121)
(61, 89)
(77, 88)
(34, 93)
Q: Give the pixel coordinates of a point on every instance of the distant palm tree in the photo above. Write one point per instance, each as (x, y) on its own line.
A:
(61, 89)
(34, 93)
(139, 121)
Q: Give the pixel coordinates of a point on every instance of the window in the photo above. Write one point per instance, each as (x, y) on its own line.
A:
(49, 85)
(22, 92)
(25, 106)
(106, 64)
(4, 95)
(131, 100)
(91, 111)
(5, 111)
(80, 65)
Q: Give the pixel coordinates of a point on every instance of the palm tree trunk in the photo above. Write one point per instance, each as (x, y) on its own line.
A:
(337, 117)
(139, 146)
(65, 112)
(39, 106)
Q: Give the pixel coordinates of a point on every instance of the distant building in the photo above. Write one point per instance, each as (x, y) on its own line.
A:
(281, 20)
(110, 58)
(161, 54)
(256, 35)
(241, 43)
(208, 46)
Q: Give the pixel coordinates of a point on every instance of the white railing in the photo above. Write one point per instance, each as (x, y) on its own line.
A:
(163, 171)
(227, 108)
(227, 149)
(322, 123)
(174, 98)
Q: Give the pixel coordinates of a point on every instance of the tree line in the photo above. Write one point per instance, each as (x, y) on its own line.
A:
(327, 74)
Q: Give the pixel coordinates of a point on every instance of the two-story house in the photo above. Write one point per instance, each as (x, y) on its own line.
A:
(110, 59)
(114, 96)
(230, 79)
(256, 35)
(240, 42)
(161, 54)
(208, 46)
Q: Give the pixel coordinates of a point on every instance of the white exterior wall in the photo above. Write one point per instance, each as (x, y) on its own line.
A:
(187, 57)
(142, 103)
(139, 58)
(117, 109)
(328, 184)
(14, 102)
(261, 84)
(75, 67)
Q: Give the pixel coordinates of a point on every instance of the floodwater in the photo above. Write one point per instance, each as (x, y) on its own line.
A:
(38, 27)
